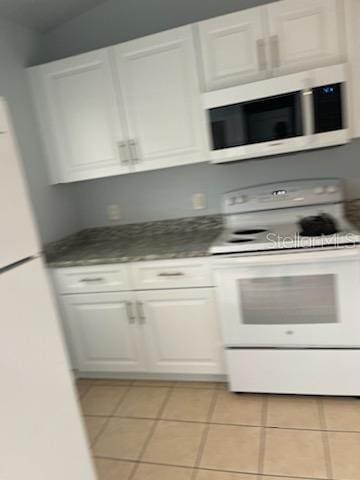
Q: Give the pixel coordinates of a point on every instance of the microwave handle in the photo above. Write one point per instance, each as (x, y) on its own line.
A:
(275, 51)
(261, 54)
(308, 113)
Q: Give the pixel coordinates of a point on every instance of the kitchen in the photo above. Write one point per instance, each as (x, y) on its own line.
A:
(153, 282)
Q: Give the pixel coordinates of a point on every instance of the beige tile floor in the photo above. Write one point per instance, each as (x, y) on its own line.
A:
(153, 430)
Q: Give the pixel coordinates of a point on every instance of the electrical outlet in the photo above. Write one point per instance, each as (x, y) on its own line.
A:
(113, 212)
(199, 201)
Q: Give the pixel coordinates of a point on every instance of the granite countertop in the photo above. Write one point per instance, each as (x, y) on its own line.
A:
(166, 239)
(180, 238)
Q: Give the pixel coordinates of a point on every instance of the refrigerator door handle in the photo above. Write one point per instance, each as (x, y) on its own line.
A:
(15, 264)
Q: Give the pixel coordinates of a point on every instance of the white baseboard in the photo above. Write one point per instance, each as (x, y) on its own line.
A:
(151, 376)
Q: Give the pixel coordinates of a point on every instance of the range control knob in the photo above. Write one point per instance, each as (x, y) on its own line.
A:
(241, 199)
(237, 200)
(331, 189)
(319, 190)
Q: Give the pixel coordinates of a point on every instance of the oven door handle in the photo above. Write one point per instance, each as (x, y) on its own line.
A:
(335, 255)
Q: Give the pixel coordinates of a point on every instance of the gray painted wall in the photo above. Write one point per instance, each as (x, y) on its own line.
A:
(53, 206)
(167, 193)
(116, 21)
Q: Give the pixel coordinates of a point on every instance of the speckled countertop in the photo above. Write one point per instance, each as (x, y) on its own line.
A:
(180, 238)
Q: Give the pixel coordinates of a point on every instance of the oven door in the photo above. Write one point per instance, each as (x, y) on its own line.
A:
(308, 299)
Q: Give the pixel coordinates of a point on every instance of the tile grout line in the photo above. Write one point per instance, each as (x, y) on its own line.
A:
(120, 400)
(207, 424)
(126, 387)
(229, 472)
(151, 433)
(91, 444)
(102, 429)
(268, 427)
(207, 418)
(264, 413)
(297, 429)
(108, 418)
(205, 433)
(325, 439)
(85, 393)
(108, 382)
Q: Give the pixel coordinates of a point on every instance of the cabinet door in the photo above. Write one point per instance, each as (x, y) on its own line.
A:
(352, 15)
(234, 48)
(78, 109)
(181, 330)
(104, 333)
(158, 77)
(304, 34)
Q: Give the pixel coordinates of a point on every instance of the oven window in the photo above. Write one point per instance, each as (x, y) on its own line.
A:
(308, 299)
(264, 120)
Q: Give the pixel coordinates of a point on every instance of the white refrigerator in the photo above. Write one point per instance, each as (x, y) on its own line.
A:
(41, 431)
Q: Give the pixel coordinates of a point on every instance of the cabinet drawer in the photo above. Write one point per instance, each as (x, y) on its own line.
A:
(99, 278)
(171, 274)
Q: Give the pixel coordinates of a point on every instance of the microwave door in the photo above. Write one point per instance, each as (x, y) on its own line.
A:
(274, 118)
(257, 121)
(228, 127)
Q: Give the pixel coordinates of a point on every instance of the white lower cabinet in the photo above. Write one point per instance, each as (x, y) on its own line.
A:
(169, 330)
(181, 330)
(103, 332)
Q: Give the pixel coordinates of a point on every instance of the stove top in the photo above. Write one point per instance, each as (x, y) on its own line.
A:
(257, 221)
(281, 237)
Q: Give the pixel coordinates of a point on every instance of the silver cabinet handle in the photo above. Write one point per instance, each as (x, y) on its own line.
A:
(141, 313)
(92, 279)
(261, 54)
(171, 274)
(130, 312)
(275, 51)
(124, 153)
(275, 144)
(134, 151)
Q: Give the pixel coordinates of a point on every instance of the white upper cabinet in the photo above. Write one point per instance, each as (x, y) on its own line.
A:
(304, 34)
(352, 19)
(137, 106)
(159, 82)
(79, 116)
(282, 37)
(234, 48)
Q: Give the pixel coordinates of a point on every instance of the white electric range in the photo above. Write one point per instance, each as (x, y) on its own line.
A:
(289, 300)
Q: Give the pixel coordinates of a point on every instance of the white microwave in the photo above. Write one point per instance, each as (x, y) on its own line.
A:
(296, 112)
